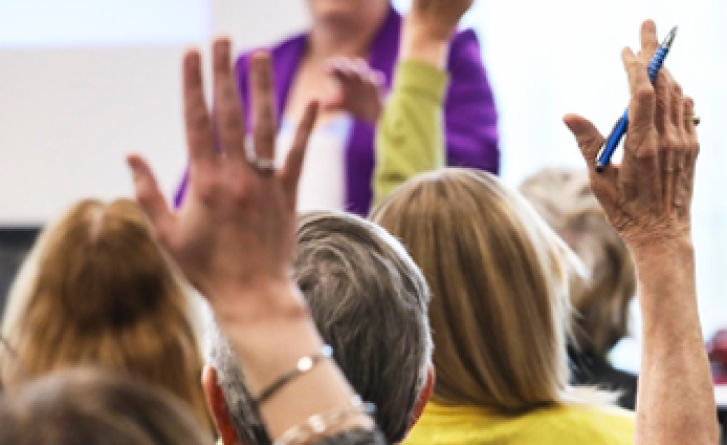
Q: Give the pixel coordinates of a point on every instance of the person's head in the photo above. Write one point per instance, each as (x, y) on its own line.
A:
(97, 290)
(499, 280)
(338, 16)
(369, 302)
(564, 198)
(95, 407)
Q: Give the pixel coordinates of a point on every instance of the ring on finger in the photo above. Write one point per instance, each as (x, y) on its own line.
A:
(696, 120)
(262, 166)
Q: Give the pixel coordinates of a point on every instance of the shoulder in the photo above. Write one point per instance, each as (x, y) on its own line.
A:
(465, 48)
(583, 424)
(465, 59)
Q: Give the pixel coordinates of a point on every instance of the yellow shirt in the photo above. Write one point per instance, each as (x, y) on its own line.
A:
(565, 425)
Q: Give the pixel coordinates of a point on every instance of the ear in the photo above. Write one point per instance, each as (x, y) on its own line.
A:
(424, 396)
(218, 407)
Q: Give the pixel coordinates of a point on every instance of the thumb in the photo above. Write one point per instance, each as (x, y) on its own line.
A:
(587, 135)
(148, 196)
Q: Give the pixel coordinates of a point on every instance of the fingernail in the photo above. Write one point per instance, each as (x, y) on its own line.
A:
(650, 26)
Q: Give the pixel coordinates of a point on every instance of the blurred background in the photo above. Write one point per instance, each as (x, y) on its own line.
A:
(84, 82)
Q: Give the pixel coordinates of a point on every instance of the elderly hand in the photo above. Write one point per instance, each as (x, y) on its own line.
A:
(648, 197)
(360, 89)
(234, 236)
(439, 18)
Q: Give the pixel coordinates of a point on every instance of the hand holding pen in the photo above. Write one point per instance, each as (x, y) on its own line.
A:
(619, 130)
(659, 153)
(647, 199)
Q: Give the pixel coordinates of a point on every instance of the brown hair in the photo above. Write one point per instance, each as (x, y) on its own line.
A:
(564, 198)
(97, 290)
(499, 279)
(369, 302)
(93, 407)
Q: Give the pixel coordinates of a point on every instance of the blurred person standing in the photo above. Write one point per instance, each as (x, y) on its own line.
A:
(563, 197)
(346, 61)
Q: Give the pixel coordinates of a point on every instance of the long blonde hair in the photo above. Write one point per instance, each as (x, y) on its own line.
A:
(96, 290)
(499, 278)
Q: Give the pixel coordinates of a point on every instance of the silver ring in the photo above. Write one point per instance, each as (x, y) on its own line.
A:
(263, 166)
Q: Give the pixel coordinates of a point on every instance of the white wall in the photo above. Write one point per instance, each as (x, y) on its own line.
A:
(68, 117)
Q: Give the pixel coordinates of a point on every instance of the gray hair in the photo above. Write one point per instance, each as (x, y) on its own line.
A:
(369, 301)
(220, 355)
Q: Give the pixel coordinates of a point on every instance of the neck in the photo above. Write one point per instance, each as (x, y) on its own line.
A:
(353, 38)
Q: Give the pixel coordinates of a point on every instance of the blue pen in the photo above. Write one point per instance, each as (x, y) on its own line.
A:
(619, 130)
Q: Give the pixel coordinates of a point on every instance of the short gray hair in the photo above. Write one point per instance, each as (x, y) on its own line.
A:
(369, 301)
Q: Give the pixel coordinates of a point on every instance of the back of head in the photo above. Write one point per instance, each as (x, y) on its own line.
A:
(97, 290)
(86, 407)
(565, 200)
(499, 278)
(369, 302)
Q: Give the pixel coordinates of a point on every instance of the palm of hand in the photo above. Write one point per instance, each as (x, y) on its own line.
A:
(234, 236)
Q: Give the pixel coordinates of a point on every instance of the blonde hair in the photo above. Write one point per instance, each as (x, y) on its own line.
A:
(564, 198)
(97, 290)
(499, 279)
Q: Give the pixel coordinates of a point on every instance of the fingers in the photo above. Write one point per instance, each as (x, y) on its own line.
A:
(296, 158)
(200, 137)
(672, 144)
(336, 102)
(263, 103)
(677, 109)
(643, 98)
(640, 175)
(692, 145)
(149, 197)
(229, 120)
(649, 39)
(690, 129)
(354, 72)
(662, 90)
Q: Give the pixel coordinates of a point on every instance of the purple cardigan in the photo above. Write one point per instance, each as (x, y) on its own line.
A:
(470, 115)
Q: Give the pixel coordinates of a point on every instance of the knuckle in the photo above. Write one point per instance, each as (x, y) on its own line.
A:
(634, 64)
(646, 152)
(231, 122)
(676, 89)
(198, 117)
(689, 103)
(645, 93)
(672, 142)
(208, 189)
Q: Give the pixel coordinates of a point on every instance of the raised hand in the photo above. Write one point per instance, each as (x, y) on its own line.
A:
(439, 18)
(360, 89)
(429, 28)
(648, 197)
(234, 236)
